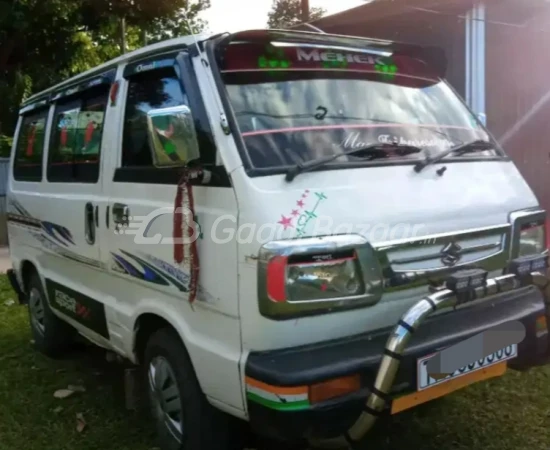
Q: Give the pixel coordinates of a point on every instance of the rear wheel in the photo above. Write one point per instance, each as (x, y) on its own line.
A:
(182, 415)
(51, 335)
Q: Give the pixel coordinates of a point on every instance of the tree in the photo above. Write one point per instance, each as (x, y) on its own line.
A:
(45, 41)
(182, 23)
(286, 13)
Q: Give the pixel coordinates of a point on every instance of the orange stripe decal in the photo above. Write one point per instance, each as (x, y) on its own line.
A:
(281, 390)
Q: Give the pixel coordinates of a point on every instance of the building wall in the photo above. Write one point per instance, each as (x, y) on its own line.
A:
(518, 93)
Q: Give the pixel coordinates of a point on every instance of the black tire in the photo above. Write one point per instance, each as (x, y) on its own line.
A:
(202, 427)
(51, 335)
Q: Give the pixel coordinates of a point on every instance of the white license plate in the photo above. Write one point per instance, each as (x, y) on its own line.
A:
(425, 381)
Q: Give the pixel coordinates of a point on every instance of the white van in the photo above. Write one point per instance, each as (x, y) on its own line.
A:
(261, 220)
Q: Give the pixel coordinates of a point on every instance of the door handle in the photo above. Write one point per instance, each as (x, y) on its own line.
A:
(121, 215)
(89, 223)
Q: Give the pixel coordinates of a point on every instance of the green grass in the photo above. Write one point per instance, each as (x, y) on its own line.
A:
(512, 412)
(28, 380)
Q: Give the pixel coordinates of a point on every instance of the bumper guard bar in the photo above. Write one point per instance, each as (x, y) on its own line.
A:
(461, 287)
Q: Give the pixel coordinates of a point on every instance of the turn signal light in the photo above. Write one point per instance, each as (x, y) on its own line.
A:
(334, 388)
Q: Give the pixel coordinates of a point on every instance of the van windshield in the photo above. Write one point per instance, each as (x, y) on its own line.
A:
(297, 104)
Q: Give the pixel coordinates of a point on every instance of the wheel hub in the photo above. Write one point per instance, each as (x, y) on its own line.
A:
(36, 307)
(165, 396)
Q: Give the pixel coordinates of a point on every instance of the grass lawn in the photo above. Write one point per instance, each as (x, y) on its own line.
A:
(512, 412)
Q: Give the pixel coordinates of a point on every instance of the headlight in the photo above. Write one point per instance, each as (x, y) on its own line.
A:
(316, 275)
(532, 238)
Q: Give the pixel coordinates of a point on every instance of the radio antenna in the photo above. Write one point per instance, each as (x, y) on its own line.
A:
(223, 118)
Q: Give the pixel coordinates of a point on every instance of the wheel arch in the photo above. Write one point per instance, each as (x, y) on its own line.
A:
(145, 326)
(27, 269)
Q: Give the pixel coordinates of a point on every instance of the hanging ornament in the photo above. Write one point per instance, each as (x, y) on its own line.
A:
(30, 141)
(63, 137)
(185, 242)
(89, 133)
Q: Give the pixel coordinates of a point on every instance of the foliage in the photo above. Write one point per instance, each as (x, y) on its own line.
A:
(45, 41)
(286, 13)
(5, 146)
(182, 23)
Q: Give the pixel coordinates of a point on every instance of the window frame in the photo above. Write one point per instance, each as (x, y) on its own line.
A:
(22, 173)
(131, 76)
(76, 172)
(182, 64)
(214, 49)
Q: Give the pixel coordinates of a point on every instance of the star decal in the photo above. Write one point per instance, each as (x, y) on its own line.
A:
(300, 203)
(286, 222)
(295, 212)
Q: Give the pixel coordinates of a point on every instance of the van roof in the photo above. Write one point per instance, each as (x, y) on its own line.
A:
(289, 35)
(136, 54)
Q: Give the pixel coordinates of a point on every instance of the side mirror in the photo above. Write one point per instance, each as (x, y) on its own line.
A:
(172, 136)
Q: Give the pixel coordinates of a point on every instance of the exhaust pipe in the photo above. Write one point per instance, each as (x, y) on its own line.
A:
(411, 320)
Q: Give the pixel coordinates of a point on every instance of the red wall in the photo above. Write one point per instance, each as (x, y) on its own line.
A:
(518, 76)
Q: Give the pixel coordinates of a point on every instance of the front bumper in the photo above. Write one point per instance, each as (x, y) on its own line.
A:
(363, 354)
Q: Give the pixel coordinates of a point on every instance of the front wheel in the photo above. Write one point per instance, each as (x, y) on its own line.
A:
(182, 415)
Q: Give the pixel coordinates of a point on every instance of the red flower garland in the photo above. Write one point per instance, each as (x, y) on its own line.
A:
(186, 189)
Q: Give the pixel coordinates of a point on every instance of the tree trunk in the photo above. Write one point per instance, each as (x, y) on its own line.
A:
(144, 37)
(305, 11)
(123, 45)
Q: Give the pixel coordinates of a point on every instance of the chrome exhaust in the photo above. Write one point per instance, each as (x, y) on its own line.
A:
(400, 337)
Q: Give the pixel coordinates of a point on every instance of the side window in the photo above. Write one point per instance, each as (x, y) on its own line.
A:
(155, 89)
(30, 147)
(75, 145)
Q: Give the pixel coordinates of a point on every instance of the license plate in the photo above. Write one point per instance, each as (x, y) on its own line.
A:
(424, 381)
(429, 388)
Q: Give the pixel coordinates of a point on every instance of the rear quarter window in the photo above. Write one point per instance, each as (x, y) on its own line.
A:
(30, 147)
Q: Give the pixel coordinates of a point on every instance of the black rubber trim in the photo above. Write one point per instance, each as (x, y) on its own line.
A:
(350, 441)
(431, 302)
(383, 395)
(393, 354)
(499, 287)
(405, 325)
(167, 176)
(372, 412)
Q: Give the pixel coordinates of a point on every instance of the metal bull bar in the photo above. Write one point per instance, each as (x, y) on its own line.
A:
(461, 287)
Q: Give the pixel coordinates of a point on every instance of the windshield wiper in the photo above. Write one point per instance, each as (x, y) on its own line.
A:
(370, 152)
(478, 145)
